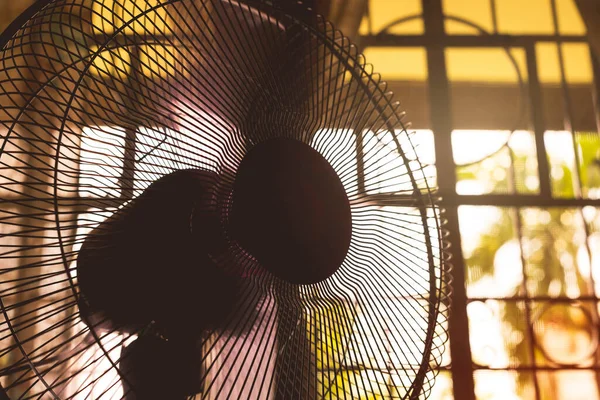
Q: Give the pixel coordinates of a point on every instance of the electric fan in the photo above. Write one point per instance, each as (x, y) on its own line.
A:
(212, 199)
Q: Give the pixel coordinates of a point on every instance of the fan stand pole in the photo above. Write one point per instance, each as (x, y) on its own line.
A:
(294, 368)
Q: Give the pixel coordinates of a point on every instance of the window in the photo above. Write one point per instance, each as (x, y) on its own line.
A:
(517, 148)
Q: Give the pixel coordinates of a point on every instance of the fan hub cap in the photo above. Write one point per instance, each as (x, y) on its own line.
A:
(291, 212)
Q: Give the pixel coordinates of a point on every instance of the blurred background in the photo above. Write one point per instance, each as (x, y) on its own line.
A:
(504, 98)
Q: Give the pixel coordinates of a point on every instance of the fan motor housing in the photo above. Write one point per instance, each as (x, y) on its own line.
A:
(290, 211)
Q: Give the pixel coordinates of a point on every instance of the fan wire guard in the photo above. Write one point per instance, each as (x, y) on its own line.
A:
(100, 99)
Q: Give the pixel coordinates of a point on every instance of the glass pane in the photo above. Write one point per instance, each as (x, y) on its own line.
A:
(504, 385)
(591, 269)
(588, 146)
(478, 13)
(360, 385)
(386, 12)
(561, 159)
(576, 58)
(111, 15)
(386, 172)
(9, 252)
(567, 181)
(404, 263)
(14, 165)
(423, 149)
(399, 383)
(339, 148)
(7, 357)
(569, 19)
(101, 161)
(373, 345)
(111, 63)
(330, 330)
(565, 333)
(482, 64)
(524, 159)
(488, 88)
(154, 17)
(498, 333)
(414, 97)
(441, 342)
(491, 251)
(158, 60)
(160, 150)
(529, 17)
(100, 379)
(102, 16)
(568, 385)
(442, 390)
(399, 64)
(583, 114)
(495, 162)
(552, 240)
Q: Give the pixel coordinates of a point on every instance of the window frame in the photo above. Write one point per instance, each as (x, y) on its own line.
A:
(435, 40)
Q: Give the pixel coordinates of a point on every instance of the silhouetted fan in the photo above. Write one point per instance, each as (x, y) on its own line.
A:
(169, 224)
(211, 199)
